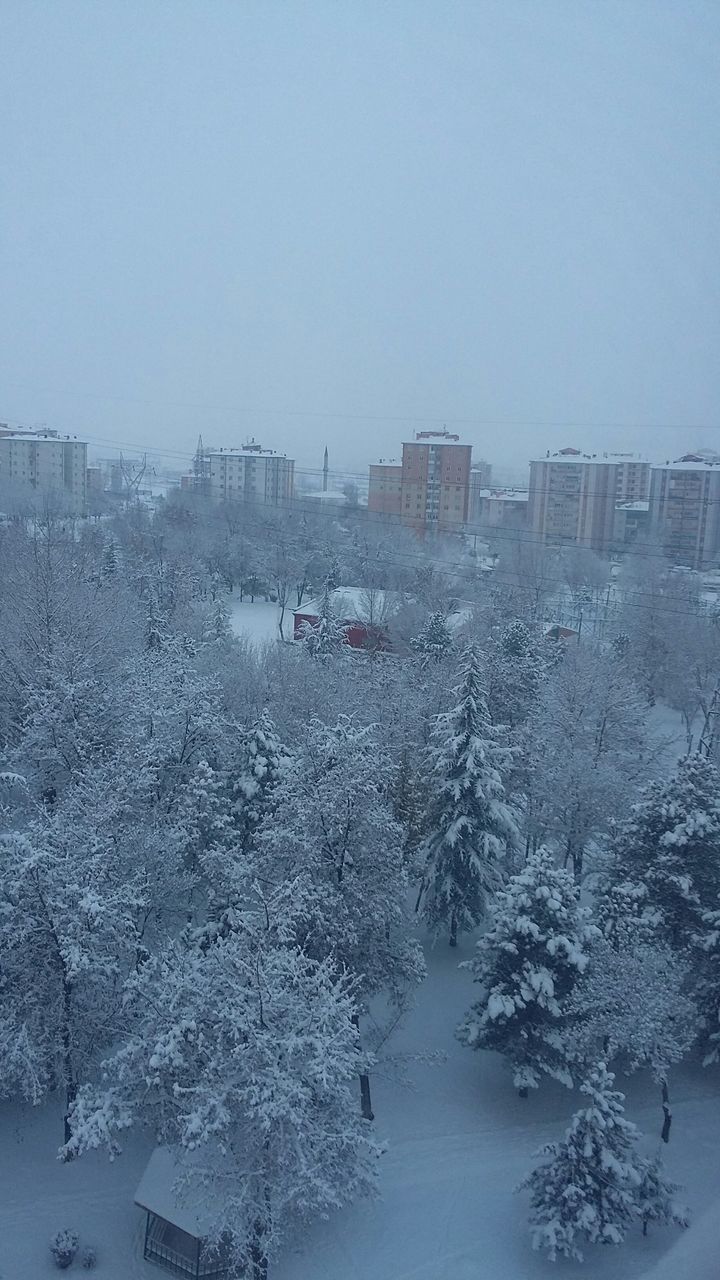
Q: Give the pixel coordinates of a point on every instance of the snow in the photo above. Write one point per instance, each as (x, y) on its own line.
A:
(695, 1254)
(258, 622)
(354, 603)
(459, 1141)
(155, 1193)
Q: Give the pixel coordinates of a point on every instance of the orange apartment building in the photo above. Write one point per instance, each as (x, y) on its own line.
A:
(429, 490)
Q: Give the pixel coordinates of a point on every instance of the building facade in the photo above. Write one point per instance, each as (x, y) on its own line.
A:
(430, 489)
(250, 474)
(385, 489)
(685, 510)
(498, 508)
(573, 496)
(46, 464)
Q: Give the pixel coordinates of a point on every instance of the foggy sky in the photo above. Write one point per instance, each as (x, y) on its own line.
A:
(333, 222)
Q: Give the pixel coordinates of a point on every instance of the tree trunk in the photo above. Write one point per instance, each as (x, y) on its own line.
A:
(68, 1078)
(667, 1113)
(421, 891)
(453, 930)
(523, 1093)
(365, 1100)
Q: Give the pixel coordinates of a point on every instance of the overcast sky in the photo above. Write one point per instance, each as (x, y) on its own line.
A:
(336, 221)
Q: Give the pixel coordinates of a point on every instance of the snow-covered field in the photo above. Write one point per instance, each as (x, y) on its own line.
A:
(459, 1140)
(258, 622)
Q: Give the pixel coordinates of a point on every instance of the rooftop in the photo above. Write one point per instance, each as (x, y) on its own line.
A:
(156, 1193)
(504, 495)
(600, 459)
(687, 464)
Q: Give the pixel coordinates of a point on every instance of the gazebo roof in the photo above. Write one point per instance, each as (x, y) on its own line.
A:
(193, 1213)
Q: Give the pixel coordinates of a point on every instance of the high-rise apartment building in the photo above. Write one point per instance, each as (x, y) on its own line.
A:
(685, 510)
(573, 496)
(45, 464)
(249, 474)
(429, 490)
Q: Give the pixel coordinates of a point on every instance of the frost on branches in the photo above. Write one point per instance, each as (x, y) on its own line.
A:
(631, 1003)
(669, 851)
(333, 836)
(527, 965)
(242, 1054)
(470, 825)
(594, 1185)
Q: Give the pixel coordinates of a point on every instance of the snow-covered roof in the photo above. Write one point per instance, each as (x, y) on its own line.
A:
(632, 506)
(155, 1193)
(504, 495)
(598, 459)
(700, 465)
(355, 603)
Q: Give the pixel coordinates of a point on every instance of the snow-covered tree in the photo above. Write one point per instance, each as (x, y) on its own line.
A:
(516, 671)
(470, 825)
(669, 850)
(326, 637)
(527, 965)
(261, 764)
(332, 833)
(589, 752)
(69, 929)
(707, 959)
(589, 1190)
(630, 1002)
(434, 642)
(656, 1198)
(241, 1057)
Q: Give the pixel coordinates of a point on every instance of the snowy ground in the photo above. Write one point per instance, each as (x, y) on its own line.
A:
(258, 622)
(459, 1140)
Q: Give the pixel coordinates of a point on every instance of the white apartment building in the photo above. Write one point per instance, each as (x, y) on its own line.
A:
(46, 464)
(249, 474)
(573, 496)
(685, 510)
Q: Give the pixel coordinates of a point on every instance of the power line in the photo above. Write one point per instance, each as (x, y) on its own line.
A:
(344, 415)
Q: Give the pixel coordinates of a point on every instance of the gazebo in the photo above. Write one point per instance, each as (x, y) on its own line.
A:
(176, 1230)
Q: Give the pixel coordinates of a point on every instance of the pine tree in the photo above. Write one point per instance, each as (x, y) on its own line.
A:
(470, 825)
(434, 642)
(516, 673)
(656, 1198)
(589, 1190)
(670, 850)
(262, 763)
(326, 637)
(527, 965)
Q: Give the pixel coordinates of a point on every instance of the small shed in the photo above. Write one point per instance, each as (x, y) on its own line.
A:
(176, 1229)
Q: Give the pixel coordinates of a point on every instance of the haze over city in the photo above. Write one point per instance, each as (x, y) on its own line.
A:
(322, 224)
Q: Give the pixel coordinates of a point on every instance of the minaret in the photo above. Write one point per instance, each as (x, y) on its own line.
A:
(325, 470)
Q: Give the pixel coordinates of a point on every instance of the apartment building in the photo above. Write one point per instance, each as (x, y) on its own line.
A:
(385, 488)
(685, 510)
(249, 474)
(45, 463)
(573, 496)
(429, 490)
(498, 508)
